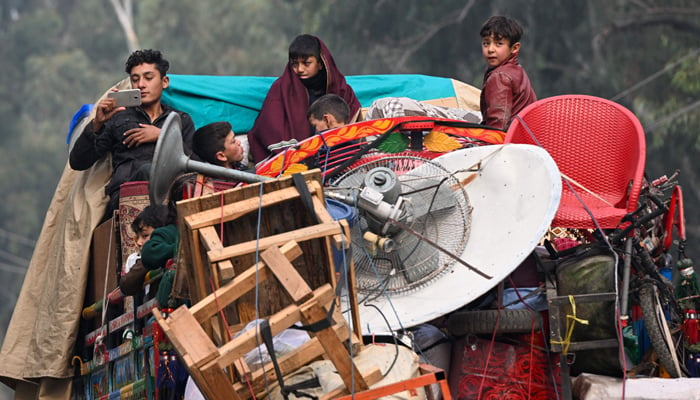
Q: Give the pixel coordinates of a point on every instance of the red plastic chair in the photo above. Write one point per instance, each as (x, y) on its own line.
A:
(598, 145)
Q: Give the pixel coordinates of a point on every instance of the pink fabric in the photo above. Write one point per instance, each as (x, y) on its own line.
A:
(283, 113)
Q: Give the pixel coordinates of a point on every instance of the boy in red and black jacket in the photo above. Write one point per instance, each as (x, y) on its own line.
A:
(507, 88)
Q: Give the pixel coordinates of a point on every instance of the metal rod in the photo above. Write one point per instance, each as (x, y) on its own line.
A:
(437, 246)
(218, 171)
(626, 277)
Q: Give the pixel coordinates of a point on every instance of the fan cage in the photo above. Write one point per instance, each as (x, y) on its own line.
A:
(437, 233)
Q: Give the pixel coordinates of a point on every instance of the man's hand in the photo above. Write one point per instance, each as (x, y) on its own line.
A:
(105, 110)
(145, 133)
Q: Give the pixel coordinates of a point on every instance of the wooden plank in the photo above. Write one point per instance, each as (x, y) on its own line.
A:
(352, 287)
(323, 215)
(282, 320)
(214, 200)
(187, 336)
(331, 242)
(288, 363)
(299, 235)
(239, 286)
(373, 376)
(202, 384)
(211, 240)
(229, 212)
(185, 272)
(243, 370)
(287, 276)
(339, 319)
(218, 384)
(199, 278)
(274, 220)
(335, 351)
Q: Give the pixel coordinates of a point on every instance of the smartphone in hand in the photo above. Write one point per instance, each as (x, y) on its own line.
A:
(127, 97)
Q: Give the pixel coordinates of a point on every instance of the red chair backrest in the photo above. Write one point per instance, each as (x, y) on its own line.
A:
(596, 142)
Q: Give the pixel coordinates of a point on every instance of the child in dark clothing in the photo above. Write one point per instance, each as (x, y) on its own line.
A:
(161, 249)
(507, 89)
(159, 252)
(310, 73)
(134, 274)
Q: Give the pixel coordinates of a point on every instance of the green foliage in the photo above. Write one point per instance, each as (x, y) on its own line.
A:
(687, 76)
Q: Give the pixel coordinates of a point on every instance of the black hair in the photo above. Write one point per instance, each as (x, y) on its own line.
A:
(210, 139)
(304, 46)
(180, 189)
(154, 216)
(148, 56)
(330, 104)
(502, 28)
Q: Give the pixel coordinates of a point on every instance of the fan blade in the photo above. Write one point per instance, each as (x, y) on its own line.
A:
(428, 195)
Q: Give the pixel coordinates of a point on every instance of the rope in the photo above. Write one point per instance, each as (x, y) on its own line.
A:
(219, 308)
(589, 191)
(350, 325)
(491, 343)
(532, 358)
(571, 320)
(257, 274)
(105, 303)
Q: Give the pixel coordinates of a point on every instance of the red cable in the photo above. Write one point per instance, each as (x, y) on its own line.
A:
(532, 355)
(216, 298)
(493, 340)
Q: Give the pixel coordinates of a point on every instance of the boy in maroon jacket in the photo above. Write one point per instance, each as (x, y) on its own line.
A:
(507, 88)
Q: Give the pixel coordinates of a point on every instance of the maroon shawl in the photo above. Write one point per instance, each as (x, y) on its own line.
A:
(283, 113)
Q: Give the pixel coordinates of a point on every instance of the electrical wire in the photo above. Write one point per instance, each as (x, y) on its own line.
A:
(618, 322)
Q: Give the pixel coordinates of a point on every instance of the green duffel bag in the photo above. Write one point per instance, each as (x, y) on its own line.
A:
(589, 272)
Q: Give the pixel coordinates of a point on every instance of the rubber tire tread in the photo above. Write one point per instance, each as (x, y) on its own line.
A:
(481, 322)
(647, 302)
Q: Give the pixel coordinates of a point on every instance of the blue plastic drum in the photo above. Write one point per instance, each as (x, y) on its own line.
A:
(339, 210)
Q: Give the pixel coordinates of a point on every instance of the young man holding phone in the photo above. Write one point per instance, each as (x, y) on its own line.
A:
(129, 134)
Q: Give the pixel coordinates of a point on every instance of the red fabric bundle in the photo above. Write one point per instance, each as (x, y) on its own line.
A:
(515, 371)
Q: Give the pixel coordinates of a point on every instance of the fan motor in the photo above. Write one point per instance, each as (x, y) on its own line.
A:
(384, 181)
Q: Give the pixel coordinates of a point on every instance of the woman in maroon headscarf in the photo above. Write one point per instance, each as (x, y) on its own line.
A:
(310, 73)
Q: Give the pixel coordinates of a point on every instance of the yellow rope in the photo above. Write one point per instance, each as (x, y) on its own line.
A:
(571, 320)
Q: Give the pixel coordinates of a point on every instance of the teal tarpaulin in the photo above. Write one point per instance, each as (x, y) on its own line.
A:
(237, 99)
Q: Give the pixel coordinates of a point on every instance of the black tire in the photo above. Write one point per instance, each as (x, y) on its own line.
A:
(481, 322)
(657, 329)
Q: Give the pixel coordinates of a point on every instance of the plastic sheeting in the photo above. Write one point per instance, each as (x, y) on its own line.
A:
(590, 387)
(237, 99)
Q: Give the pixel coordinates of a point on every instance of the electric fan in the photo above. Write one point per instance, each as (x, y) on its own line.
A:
(434, 234)
(413, 221)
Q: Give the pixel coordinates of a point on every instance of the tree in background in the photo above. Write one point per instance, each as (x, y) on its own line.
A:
(57, 55)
